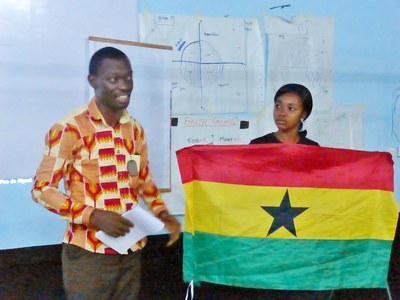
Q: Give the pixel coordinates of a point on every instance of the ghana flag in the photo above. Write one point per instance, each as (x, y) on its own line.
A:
(291, 217)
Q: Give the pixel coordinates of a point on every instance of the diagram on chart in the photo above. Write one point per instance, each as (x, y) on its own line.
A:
(217, 65)
(396, 114)
(301, 51)
(200, 63)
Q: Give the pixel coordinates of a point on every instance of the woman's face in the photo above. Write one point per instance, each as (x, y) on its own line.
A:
(288, 112)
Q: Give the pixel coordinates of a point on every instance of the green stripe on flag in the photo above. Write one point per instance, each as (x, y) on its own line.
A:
(286, 264)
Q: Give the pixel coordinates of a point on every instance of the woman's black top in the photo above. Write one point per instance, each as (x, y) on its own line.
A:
(270, 138)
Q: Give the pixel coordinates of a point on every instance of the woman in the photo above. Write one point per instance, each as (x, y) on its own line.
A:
(293, 104)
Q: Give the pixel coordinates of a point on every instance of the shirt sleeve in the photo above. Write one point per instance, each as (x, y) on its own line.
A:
(148, 189)
(58, 154)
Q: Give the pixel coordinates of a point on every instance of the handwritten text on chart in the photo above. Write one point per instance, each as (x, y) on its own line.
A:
(214, 122)
(213, 140)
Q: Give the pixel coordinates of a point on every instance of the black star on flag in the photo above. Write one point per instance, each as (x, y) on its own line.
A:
(283, 215)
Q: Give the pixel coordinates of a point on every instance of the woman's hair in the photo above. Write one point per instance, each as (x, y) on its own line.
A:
(102, 54)
(299, 90)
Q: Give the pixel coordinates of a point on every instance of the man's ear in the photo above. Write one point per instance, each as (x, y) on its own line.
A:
(92, 80)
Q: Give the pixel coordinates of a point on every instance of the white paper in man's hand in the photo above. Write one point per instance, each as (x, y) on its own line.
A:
(144, 224)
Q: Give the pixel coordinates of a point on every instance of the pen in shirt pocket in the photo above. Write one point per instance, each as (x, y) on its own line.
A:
(133, 165)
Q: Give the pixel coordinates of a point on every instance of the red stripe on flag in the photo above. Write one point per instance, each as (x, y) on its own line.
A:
(287, 165)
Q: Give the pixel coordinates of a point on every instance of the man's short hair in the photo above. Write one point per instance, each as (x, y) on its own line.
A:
(102, 54)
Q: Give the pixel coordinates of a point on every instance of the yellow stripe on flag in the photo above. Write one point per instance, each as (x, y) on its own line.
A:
(236, 210)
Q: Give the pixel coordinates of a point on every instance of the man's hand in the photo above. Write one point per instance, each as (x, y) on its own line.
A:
(110, 222)
(172, 225)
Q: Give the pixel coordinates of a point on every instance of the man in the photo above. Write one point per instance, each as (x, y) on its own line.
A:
(93, 151)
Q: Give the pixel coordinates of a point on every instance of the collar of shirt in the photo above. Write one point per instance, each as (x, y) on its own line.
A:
(95, 113)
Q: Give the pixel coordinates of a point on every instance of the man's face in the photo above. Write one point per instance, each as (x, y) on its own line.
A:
(113, 84)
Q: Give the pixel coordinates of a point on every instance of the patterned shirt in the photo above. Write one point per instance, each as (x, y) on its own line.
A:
(91, 157)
